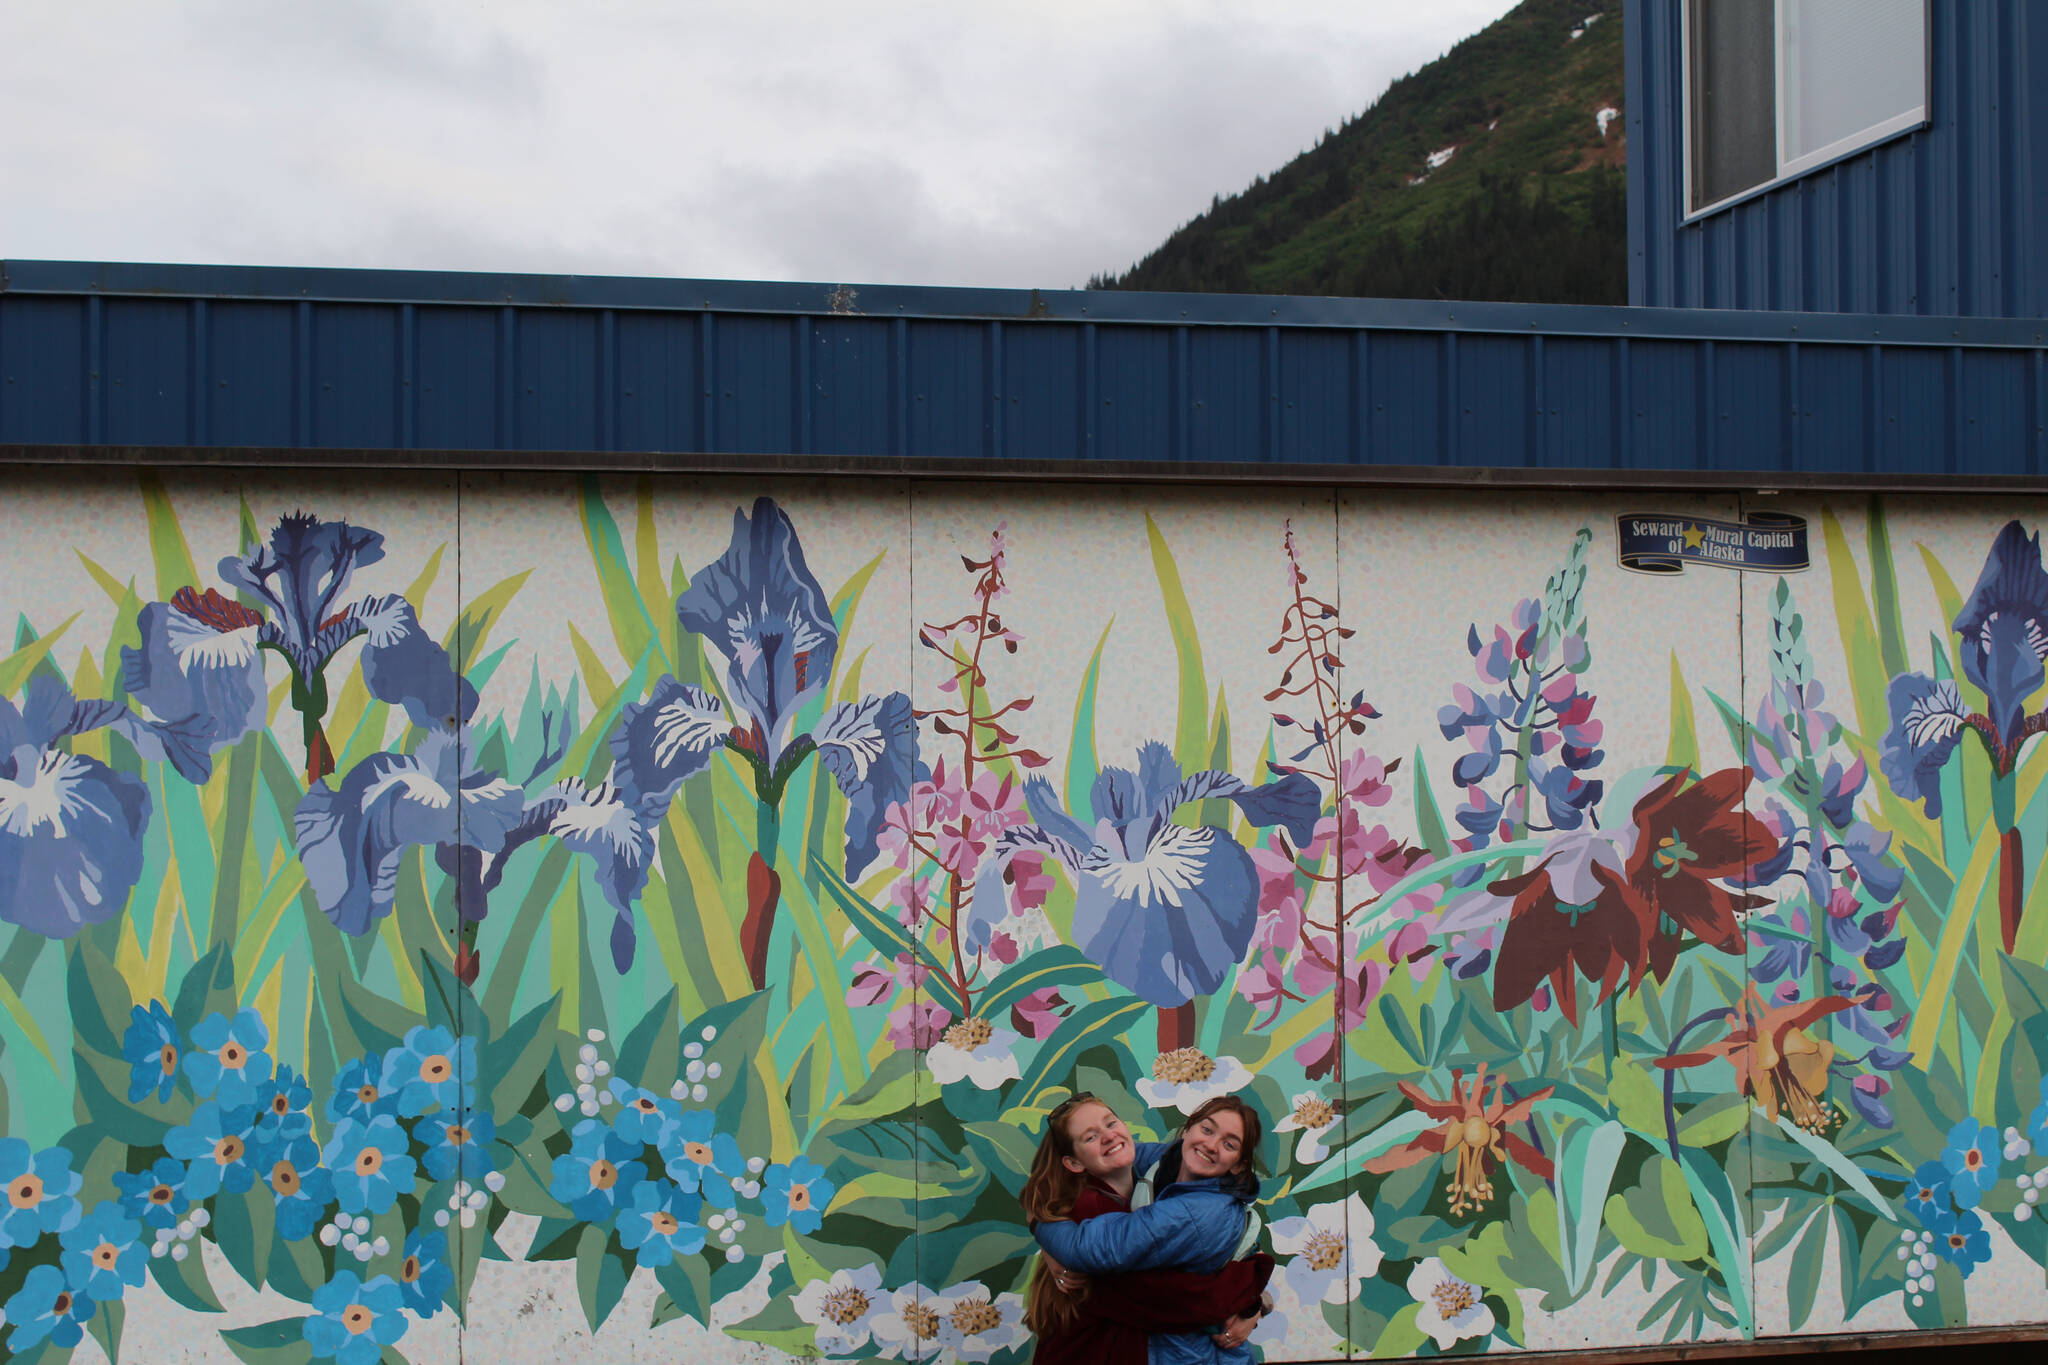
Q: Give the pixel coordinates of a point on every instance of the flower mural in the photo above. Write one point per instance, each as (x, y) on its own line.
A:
(724, 969)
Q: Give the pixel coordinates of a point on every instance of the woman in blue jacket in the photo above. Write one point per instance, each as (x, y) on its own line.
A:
(1199, 1219)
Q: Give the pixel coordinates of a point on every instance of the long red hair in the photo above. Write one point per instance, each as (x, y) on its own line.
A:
(1048, 1196)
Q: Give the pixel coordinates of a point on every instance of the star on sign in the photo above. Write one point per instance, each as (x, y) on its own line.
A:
(1694, 537)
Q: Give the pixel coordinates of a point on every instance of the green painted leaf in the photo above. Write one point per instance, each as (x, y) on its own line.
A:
(1585, 1168)
(883, 931)
(1401, 1336)
(1684, 749)
(1191, 730)
(1059, 965)
(1082, 763)
(279, 1342)
(174, 567)
(1637, 1094)
(15, 668)
(632, 625)
(1713, 1121)
(1721, 1209)
(686, 1291)
(601, 1275)
(1802, 1279)
(1094, 1022)
(1429, 820)
(1384, 1138)
(1656, 1218)
(1844, 1169)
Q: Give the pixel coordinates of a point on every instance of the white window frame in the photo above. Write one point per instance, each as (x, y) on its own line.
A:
(1896, 126)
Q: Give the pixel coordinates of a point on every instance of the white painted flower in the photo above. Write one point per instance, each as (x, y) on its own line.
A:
(1333, 1250)
(1451, 1308)
(907, 1327)
(974, 1050)
(1187, 1078)
(975, 1324)
(843, 1308)
(1313, 1118)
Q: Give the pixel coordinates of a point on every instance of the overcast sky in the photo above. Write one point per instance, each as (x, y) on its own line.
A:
(958, 143)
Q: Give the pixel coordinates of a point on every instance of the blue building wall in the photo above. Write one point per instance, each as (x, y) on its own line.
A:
(131, 355)
(1948, 221)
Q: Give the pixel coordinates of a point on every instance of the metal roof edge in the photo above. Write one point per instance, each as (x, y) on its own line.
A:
(1072, 306)
(1384, 477)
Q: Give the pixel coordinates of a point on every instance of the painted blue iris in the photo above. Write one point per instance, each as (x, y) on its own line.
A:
(352, 838)
(70, 826)
(602, 821)
(353, 1321)
(760, 609)
(150, 1047)
(198, 674)
(2002, 643)
(1164, 910)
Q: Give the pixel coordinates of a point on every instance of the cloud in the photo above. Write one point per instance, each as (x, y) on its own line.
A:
(1020, 146)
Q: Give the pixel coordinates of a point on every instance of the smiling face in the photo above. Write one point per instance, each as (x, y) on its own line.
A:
(1213, 1145)
(1102, 1145)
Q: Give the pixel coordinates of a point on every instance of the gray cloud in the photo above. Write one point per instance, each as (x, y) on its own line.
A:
(926, 143)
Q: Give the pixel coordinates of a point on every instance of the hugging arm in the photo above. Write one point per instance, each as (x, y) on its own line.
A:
(1156, 1301)
(1189, 1233)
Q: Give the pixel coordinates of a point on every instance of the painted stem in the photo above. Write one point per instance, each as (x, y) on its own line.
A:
(1176, 1026)
(764, 893)
(2012, 887)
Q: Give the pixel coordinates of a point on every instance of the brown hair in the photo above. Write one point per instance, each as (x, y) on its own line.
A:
(1254, 1134)
(1048, 1196)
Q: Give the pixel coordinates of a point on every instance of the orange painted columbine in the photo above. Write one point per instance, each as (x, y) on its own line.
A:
(1474, 1137)
(1776, 1060)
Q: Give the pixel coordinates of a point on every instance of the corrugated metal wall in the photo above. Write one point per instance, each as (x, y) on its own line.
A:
(1949, 221)
(217, 356)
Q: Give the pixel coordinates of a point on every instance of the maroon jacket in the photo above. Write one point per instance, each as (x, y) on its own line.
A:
(1122, 1310)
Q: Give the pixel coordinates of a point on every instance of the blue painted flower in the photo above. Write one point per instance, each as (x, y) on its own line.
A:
(424, 1276)
(302, 1188)
(2003, 628)
(596, 1174)
(1866, 847)
(156, 1196)
(40, 1189)
(458, 1144)
(644, 1117)
(371, 1162)
(1928, 719)
(351, 838)
(46, 1308)
(1960, 1237)
(1165, 910)
(215, 1149)
(104, 1255)
(597, 820)
(150, 1046)
(760, 607)
(301, 575)
(870, 748)
(429, 1068)
(1972, 1157)
(661, 742)
(700, 1159)
(661, 1224)
(70, 826)
(358, 1092)
(281, 1108)
(353, 1321)
(405, 666)
(796, 1194)
(1566, 796)
(198, 678)
(227, 1059)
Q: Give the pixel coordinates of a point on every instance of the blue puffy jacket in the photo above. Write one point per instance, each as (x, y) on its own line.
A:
(1190, 1225)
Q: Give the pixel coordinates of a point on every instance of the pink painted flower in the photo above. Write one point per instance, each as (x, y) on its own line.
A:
(918, 1025)
(1039, 1013)
(1363, 778)
(1031, 880)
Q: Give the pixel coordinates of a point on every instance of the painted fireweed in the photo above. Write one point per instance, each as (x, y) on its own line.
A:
(1474, 1138)
(1776, 1059)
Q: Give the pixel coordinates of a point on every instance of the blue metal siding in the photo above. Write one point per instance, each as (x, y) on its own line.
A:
(1947, 221)
(176, 356)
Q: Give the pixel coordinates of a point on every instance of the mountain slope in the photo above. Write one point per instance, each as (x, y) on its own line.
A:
(1486, 174)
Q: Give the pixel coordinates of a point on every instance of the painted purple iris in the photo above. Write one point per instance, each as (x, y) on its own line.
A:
(70, 826)
(759, 607)
(198, 676)
(351, 838)
(2002, 642)
(1164, 910)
